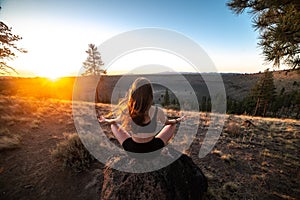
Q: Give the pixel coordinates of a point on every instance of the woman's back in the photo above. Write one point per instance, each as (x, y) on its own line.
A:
(148, 127)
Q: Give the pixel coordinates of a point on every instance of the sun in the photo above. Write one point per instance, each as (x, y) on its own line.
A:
(52, 75)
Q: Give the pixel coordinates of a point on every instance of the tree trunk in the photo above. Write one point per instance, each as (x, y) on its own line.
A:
(265, 108)
(257, 105)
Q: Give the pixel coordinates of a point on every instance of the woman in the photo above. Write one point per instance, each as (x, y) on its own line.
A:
(137, 132)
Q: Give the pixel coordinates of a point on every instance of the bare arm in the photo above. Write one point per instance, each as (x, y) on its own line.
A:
(120, 134)
(102, 119)
(164, 120)
(174, 121)
(169, 129)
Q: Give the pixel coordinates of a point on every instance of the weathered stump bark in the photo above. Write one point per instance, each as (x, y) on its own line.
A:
(182, 179)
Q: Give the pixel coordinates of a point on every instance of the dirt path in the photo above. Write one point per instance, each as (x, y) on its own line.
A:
(29, 172)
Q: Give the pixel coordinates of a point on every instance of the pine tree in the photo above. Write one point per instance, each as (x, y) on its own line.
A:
(166, 101)
(8, 48)
(173, 102)
(93, 63)
(279, 27)
(264, 93)
(203, 104)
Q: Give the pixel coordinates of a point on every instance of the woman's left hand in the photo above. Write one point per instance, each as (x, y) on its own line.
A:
(181, 119)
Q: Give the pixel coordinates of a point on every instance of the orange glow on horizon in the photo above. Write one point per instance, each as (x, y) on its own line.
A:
(52, 74)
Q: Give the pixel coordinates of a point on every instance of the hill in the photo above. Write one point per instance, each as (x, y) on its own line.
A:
(236, 85)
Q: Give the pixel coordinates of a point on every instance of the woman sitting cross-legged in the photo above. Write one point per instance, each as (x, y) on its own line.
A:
(136, 124)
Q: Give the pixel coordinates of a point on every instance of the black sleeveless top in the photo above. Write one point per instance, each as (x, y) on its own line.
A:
(135, 147)
(153, 145)
(145, 128)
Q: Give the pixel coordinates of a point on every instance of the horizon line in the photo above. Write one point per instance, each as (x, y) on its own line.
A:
(139, 74)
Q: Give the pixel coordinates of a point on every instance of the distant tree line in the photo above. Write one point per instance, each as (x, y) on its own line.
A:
(263, 100)
(169, 102)
(205, 104)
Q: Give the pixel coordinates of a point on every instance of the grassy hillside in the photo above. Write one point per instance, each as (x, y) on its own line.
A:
(236, 85)
(258, 161)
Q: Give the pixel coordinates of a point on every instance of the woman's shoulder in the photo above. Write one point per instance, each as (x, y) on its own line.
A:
(156, 107)
(159, 112)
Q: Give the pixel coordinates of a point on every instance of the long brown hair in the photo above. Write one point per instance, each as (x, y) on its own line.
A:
(136, 103)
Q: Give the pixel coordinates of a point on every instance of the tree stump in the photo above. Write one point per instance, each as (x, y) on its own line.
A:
(182, 179)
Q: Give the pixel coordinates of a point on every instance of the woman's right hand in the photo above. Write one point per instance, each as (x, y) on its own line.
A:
(102, 119)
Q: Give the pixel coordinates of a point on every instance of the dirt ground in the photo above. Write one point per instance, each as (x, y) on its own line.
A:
(259, 161)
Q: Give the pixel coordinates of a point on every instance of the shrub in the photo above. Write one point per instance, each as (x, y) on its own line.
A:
(233, 129)
(8, 140)
(73, 154)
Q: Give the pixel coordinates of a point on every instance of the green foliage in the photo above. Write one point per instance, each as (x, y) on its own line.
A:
(295, 83)
(73, 154)
(263, 101)
(93, 62)
(264, 93)
(279, 26)
(166, 101)
(174, 104)
(285, 105)
(282, 91)
(170, 100)
(205, 105)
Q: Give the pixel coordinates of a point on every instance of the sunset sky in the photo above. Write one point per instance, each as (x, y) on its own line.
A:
(57, 33)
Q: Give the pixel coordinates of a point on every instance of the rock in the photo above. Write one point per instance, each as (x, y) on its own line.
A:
(182, 179)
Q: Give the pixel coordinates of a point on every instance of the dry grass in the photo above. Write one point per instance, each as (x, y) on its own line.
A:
(255, 162)
(8, 140)
(229, 190)
(35, 124)
(15, 119)
(233, 129)
(72, 153)
(217, 152)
